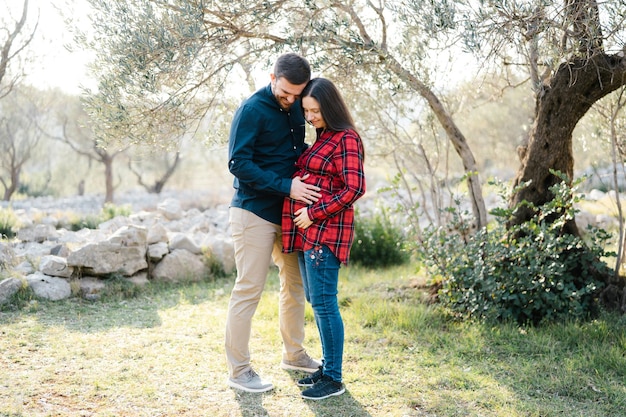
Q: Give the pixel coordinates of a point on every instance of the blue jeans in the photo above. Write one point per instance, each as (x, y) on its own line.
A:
(320, 273)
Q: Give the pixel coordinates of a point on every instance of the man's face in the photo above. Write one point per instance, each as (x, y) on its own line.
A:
(285, 92)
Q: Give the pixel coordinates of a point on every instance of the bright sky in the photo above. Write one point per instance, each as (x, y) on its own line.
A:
(52, 64)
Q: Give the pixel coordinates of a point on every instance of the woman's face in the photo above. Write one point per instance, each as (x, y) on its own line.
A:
(313, 113)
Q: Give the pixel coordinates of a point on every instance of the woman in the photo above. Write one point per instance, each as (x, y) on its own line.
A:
(322, 232)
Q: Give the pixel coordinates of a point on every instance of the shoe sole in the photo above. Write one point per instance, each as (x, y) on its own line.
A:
(298, 368)
(233, 384)
(305, 385)
(326, 396)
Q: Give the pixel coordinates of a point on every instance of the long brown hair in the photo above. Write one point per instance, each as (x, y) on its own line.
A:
(332, 107)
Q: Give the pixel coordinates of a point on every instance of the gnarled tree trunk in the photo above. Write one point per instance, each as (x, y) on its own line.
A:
(573, 89)
(560, 105)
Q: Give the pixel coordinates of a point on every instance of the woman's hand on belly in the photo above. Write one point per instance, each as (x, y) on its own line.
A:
(302, 219)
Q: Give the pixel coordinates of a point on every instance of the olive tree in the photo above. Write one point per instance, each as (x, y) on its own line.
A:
(21, 115)
(15, 36)
(153, 170)
(572, 52)
(74, 129)
(169, 61)
(177, 53)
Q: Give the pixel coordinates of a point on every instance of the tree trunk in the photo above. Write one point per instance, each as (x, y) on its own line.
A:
(572, 91)
(455, 136)
(108, 178)
(14, 182)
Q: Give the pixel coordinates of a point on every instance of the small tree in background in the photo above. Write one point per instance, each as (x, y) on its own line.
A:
(14, 39)
(76, 132)
(162, 168)
(20, 116)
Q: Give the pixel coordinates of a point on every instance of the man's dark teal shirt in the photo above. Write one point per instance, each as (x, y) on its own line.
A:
(263, 146)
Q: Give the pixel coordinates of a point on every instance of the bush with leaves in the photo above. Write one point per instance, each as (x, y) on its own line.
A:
(378, 243)
(527, 273)
(108, 212)
(8, 223)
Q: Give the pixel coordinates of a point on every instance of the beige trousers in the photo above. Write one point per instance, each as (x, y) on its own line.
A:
(256, 241)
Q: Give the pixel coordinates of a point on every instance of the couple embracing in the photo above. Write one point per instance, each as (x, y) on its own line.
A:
(293, 204)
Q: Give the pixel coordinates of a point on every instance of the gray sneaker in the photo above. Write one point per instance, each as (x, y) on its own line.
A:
(305, 363)
(251, 382)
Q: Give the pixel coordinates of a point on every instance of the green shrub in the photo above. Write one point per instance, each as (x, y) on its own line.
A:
(30, 190)
(528, 273)
(22, 298)
(8, 223)
(216, 269)
(110, 211)
(378, 243)
(91, 221)
(118, 287)
(87, 222)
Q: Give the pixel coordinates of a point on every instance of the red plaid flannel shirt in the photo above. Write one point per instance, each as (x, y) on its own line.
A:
(335, 164)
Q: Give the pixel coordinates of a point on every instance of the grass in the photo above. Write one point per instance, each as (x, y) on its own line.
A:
(161, 354)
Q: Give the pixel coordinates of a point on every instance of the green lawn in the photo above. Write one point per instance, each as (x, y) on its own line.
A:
(161, 354)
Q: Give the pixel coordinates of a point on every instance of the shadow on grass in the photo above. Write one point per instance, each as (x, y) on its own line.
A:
(251, 404)
(141, 310)
(342, 405)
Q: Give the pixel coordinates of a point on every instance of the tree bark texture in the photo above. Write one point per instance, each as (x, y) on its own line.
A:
(573, 89)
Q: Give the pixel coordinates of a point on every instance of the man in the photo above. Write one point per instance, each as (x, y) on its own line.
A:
(266, 138)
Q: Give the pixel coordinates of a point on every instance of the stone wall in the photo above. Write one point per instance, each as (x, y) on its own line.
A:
(166, 243)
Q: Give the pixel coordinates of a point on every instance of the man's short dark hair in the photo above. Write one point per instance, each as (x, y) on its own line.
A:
(293, 67)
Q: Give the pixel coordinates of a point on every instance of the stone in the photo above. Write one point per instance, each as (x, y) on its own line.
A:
(183, 241)
(180, 265)
(24, 268)
(106, 258)
(141, 279)
(38, 233)
(222, 249)
(50, 288)
(91, 287)
(55, 266)
(124, 252)
(8, 288)
(157, 233)
(171, 209)
(7, 256)
(166, 244)
(157, 251)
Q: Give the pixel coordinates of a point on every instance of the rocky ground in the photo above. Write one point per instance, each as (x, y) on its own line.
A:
(168, 237)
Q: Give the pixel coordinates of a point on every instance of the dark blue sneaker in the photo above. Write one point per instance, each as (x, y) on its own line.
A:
(323, 388)
(310, 380)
